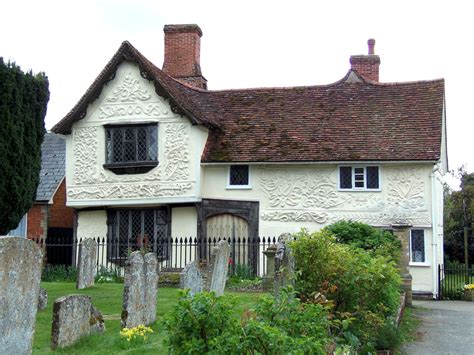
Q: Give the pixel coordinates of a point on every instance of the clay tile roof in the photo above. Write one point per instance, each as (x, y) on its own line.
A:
(350, 120)
(346, 121)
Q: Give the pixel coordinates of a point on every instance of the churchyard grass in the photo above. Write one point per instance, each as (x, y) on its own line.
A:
(107, 298)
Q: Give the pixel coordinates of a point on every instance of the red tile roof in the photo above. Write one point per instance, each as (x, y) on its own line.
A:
(350, 120)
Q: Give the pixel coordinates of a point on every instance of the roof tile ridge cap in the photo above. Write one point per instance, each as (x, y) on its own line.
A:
(410, 82)
(273, 88)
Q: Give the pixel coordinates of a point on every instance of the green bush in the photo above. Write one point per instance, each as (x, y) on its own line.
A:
(203, 324)
(361, 235)
(59, 273)
(108, 275)
(362, 287)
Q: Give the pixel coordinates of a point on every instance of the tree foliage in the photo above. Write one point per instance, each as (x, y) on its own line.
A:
(459, 212)
(23, 101)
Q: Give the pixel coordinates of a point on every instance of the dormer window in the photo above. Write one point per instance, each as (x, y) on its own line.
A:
(359, 178)
(131, 149)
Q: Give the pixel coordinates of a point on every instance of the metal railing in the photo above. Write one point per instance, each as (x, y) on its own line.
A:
(173, 253)
(451, 280)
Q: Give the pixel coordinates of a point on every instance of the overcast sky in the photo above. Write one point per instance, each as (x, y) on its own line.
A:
(253, 44)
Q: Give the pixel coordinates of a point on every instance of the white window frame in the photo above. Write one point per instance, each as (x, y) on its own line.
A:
(239, 187)
(353, 167)
(425, 243)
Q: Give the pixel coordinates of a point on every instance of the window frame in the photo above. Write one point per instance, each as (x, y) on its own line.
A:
(353, 174)
(425, 246)
(130, 167)
(238, 187)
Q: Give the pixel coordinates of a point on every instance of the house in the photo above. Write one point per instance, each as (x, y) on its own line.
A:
(153, 154)
(49, 216)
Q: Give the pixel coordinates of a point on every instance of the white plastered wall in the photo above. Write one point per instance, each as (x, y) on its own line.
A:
(294, 196)
(131, 99)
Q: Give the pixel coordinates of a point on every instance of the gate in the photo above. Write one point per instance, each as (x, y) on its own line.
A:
(451, 280)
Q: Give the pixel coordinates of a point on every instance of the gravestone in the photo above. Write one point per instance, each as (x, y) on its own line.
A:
(86, 266)
(139, 294)
(284, 264)
(269, 278)
(42, 299)
(191, 277)
(220, 267)
(74, 317)
(20, 276)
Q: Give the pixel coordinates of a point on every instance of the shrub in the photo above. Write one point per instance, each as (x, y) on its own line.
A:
(361, 235)
(108, 275)
(203, 324)
(59, 273)
(362, 287)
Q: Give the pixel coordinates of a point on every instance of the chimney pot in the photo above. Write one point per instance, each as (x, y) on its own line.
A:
(371, 43)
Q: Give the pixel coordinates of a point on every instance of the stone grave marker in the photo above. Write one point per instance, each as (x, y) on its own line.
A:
(20, 276)
(139, 294)
(86, 266)
(74, 317)
(284, 264)
(220, 267)
(191, 277)
(42, 299)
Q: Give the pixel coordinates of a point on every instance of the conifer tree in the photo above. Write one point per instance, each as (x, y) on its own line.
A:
(23, 101)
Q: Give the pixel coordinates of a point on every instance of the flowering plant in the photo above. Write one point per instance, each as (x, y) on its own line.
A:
(134, 336)
(469, 287)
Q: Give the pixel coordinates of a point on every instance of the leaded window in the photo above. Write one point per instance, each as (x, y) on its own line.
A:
(417, 246)
(359, 178)
(137, 229)
(239, 175)
(131, 148)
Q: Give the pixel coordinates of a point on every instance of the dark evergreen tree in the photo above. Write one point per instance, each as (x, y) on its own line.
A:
(459, 213)
(23, 101)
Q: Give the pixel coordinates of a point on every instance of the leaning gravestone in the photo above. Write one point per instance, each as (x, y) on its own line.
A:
(220, 267)
(284, 264)
(86, 266)
(191, 278)
(139, 294)
(74, 317)
(20, 276)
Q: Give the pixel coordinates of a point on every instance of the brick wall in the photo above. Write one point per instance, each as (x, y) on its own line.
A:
(60, 216)
(37, 221)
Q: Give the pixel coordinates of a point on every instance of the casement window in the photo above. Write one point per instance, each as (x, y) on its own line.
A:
(131, 148)
(134, 229)
(239, 176)
(359, 178)
(417, 246)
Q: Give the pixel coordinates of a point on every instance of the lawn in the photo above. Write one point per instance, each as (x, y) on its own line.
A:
(108, 299)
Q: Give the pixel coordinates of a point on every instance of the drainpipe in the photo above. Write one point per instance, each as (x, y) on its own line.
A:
(434, 231)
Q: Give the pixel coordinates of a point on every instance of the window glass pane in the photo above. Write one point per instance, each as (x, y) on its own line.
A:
(152, 143)
(129, 144)
(358, 171)
(142, 144)
(417, 246)
(345, 177)
(117, 145)
(372, 177)
(239, 175)
(359, 184)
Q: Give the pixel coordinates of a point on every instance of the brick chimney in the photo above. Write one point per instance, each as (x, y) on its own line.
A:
(182, 54)
(367, 65)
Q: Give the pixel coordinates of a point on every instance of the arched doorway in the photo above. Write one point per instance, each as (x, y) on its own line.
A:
(235, 230)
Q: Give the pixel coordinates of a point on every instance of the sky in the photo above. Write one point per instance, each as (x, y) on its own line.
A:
(254, 44)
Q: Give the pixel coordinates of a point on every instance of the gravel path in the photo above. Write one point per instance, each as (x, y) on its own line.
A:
(447, 328)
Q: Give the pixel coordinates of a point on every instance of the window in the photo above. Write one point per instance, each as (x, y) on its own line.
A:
(417, 246)
(359, 178)
(131, 149)
(239, 176)
(134, 229)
